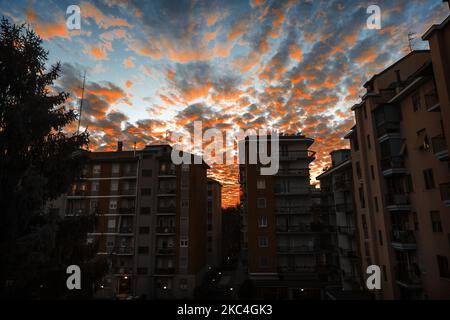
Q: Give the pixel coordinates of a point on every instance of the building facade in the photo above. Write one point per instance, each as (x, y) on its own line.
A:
(214, 223)
(151, 221)
(401, 172)
(285, 241)
(336, 185)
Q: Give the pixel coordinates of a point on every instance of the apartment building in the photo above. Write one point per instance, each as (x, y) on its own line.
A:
(214, 223)
(401, 172)
(285, 242)
(336, 185)
(151, 221)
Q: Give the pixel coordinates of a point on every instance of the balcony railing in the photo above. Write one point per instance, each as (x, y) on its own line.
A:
(295, 269)
(127, 192)
(297, 155)
(123, 271)
(161, 250)
(297, 249)
(164, 271)
(167, 190)
(341, 184)
(165, 209)
(344, 207)
(167, 172)
(297, 228)
(291, 190)
(431, 99)
(445, 193)
(393, 199)
(124, 250)
(408, 276)
(396, 162)
(163, 229)
(127, 210)
(126, 229)
(403, 236)
(440, 147)
(292, 210)
(387, 127)
(347, 230)
(293, 172)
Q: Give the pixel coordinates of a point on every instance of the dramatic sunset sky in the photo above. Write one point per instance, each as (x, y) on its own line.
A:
(156, 66)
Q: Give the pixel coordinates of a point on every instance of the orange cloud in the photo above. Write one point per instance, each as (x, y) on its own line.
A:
(47, 29)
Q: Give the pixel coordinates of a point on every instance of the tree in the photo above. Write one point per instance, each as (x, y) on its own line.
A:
(39, 160)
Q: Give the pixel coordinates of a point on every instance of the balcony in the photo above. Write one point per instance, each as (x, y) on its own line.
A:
(127, 211)
(397, 202)
(306, 271)
(344, 207)
(300, 228)
(342, 185)
(393, 165)
(168, 209)
(432, 101)
(347, 253)
(297, 155)
(126, 229)
(124, 250)
(285, 249)
(445, 193)
(440, 148)
(167, 173)
(387, 128)
(350, 231)
(404, 240)
(167, 191)
(292, 210)
(409, 278)
(165, 230)
(122, 271)
(292, 190)
(78, 193)
(293, 172)
(165, 251)
(164, 271)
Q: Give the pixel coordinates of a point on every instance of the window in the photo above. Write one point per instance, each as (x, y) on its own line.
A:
(444, 271)
(111, 224)
(146, 172)
(113, 204)
(263, 242)
(183, 284)
(143, 250)
(146, 210)
(361, 197)
(142, 270)
(436, 223)
(416, 101)
(114, 185)
(115, 168)
(97, 169)
(423, 142)
(261, 184)
(185, 203)
(375, 200)
(95, 186)
(261, 203)
(94, 204)
(263, 262)
(183, 243)
(368, 141)
(262, 221)
(144, 230)
(146, 191)
(385, 273)
(429, 179)
(354, 142)
(358, 170)
(409, 184)
(415, 221)
(380, 237)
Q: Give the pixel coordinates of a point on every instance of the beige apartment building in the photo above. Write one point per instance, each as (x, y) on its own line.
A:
(286, 244)
(401, 172)
(151, 221)
(336, 186)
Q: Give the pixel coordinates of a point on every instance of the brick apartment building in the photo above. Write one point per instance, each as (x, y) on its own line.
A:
(151, 221)
(286, 245)
(214, 223)
(336, 186)
(402, 174)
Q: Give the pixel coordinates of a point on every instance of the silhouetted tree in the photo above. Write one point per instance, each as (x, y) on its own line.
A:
(38, 162)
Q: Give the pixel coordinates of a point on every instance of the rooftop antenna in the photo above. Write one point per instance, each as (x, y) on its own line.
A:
(81, 102)
(411, 38)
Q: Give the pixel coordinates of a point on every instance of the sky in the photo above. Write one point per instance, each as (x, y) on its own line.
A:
(155, 67)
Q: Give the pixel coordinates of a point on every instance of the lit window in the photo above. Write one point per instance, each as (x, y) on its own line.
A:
(97, 169)
(262, 221)
(183, 243)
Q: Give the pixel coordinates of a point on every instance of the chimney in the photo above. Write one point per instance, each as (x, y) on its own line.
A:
(399, 81)
(119, 146)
